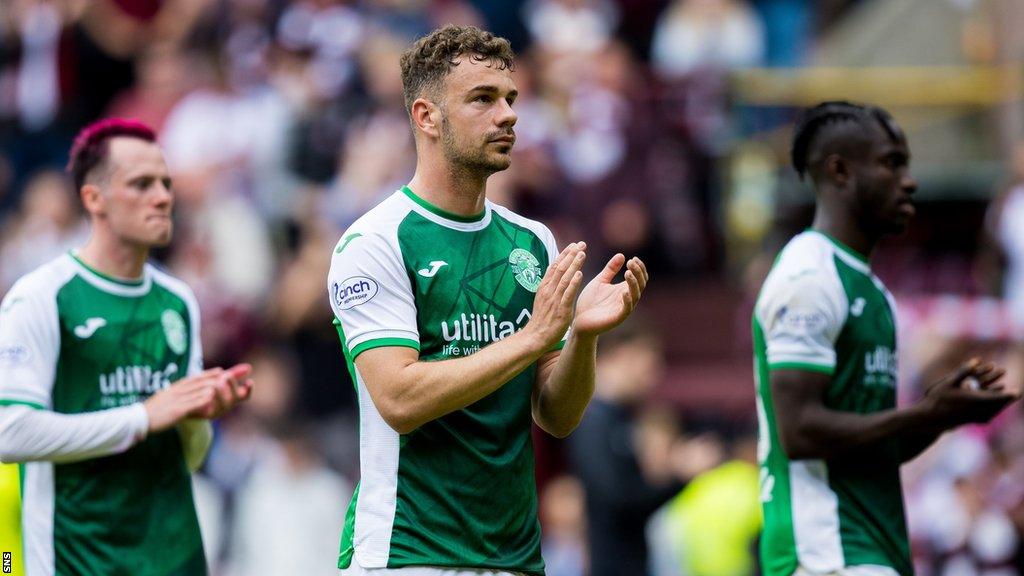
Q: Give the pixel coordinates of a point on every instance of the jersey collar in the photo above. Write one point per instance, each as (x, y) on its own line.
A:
(446, 218)
(109, 283)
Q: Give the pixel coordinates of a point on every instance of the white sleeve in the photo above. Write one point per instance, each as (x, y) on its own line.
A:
(371, 294)
(801, 316)
(29, 345)
(28, 434)
(195, 359)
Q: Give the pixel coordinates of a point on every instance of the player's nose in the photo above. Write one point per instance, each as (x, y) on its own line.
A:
(506, 116)
(908, 184)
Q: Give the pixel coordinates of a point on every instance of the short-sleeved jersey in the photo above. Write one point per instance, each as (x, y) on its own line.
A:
(73, 340)
(458, 491)
(822, 310)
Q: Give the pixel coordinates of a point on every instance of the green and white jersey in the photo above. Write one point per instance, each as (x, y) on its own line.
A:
(458, 491)
(822, 310)
(74, 341)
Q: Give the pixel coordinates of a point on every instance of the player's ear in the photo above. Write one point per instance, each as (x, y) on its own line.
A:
(427, 117)
(92, 199)
(837, 169)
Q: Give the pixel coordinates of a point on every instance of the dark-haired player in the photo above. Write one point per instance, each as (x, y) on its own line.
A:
(831, 439)
(102, 392)
(453, 313)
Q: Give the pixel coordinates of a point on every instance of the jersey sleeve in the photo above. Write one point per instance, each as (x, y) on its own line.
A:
(29, 345)
(27, 434)
(371, 294)
(801, 317)
(195, 358)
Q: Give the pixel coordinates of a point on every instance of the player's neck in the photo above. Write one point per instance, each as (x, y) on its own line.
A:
(455, 192)
(112, 257)
(846, 231)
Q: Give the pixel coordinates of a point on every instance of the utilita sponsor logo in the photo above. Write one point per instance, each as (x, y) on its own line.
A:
(354, 291)
(481, 327)
(882, 360)
(136, 380)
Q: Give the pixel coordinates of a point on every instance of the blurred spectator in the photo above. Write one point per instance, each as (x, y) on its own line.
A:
(563, 518)
(162, 79)
(1003, 263)
(630, 462)
(48, 223)
(289, 507)
(570, 26)
(716, 34)
(712, 526)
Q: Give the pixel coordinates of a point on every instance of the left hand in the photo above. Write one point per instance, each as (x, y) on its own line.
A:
(232, 387)
(603, 305)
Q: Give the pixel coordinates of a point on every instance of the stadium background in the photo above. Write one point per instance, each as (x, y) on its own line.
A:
(652, 127)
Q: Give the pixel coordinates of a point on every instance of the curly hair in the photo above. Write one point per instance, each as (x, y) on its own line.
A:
(432, 57)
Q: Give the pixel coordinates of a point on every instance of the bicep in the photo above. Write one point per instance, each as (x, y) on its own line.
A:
(379, 370)
(796, 394)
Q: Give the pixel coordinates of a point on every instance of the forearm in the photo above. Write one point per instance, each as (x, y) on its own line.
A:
(561, 398)
(822, 433)
(28, 434)
(913, 443)
(196, 437)
(421, 391)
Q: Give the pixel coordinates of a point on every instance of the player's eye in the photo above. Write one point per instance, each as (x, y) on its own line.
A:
(482, 98)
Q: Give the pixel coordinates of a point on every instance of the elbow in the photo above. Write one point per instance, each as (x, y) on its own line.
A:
(400, 418)
(9, 449)
(798, 444)
(9, 452)
(561, 432)
(558, 428)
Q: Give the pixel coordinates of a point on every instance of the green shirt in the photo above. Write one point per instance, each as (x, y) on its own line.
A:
(822, 310)
(458, 491)
(75, 341)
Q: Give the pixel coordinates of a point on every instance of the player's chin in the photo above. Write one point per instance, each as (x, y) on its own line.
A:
(897, 225)
(500, 162)
(161, 238)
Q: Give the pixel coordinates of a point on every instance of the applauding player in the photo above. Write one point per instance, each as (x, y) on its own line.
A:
(453, 314)
(831, 439)
(103, 395)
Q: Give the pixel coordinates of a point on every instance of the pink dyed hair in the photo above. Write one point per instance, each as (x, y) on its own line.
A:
(92, 145)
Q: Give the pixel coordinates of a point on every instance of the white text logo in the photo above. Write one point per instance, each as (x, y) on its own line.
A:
(354, 291)
(90, 327)
(434, 267)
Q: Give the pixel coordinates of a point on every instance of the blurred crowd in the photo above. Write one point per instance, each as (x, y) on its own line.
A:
(282, 121)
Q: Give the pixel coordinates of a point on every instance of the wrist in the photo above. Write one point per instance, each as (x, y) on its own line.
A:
(582, 339)
(534, 343)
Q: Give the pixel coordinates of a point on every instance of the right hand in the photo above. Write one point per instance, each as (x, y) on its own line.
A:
(556, 296)
(970, 394)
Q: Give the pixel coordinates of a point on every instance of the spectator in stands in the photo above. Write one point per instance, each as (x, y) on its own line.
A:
(48, 223)
(717, 34)
(630, 463)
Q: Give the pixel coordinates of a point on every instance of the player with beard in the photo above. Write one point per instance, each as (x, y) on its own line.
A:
(831, 439)
(453, 315)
